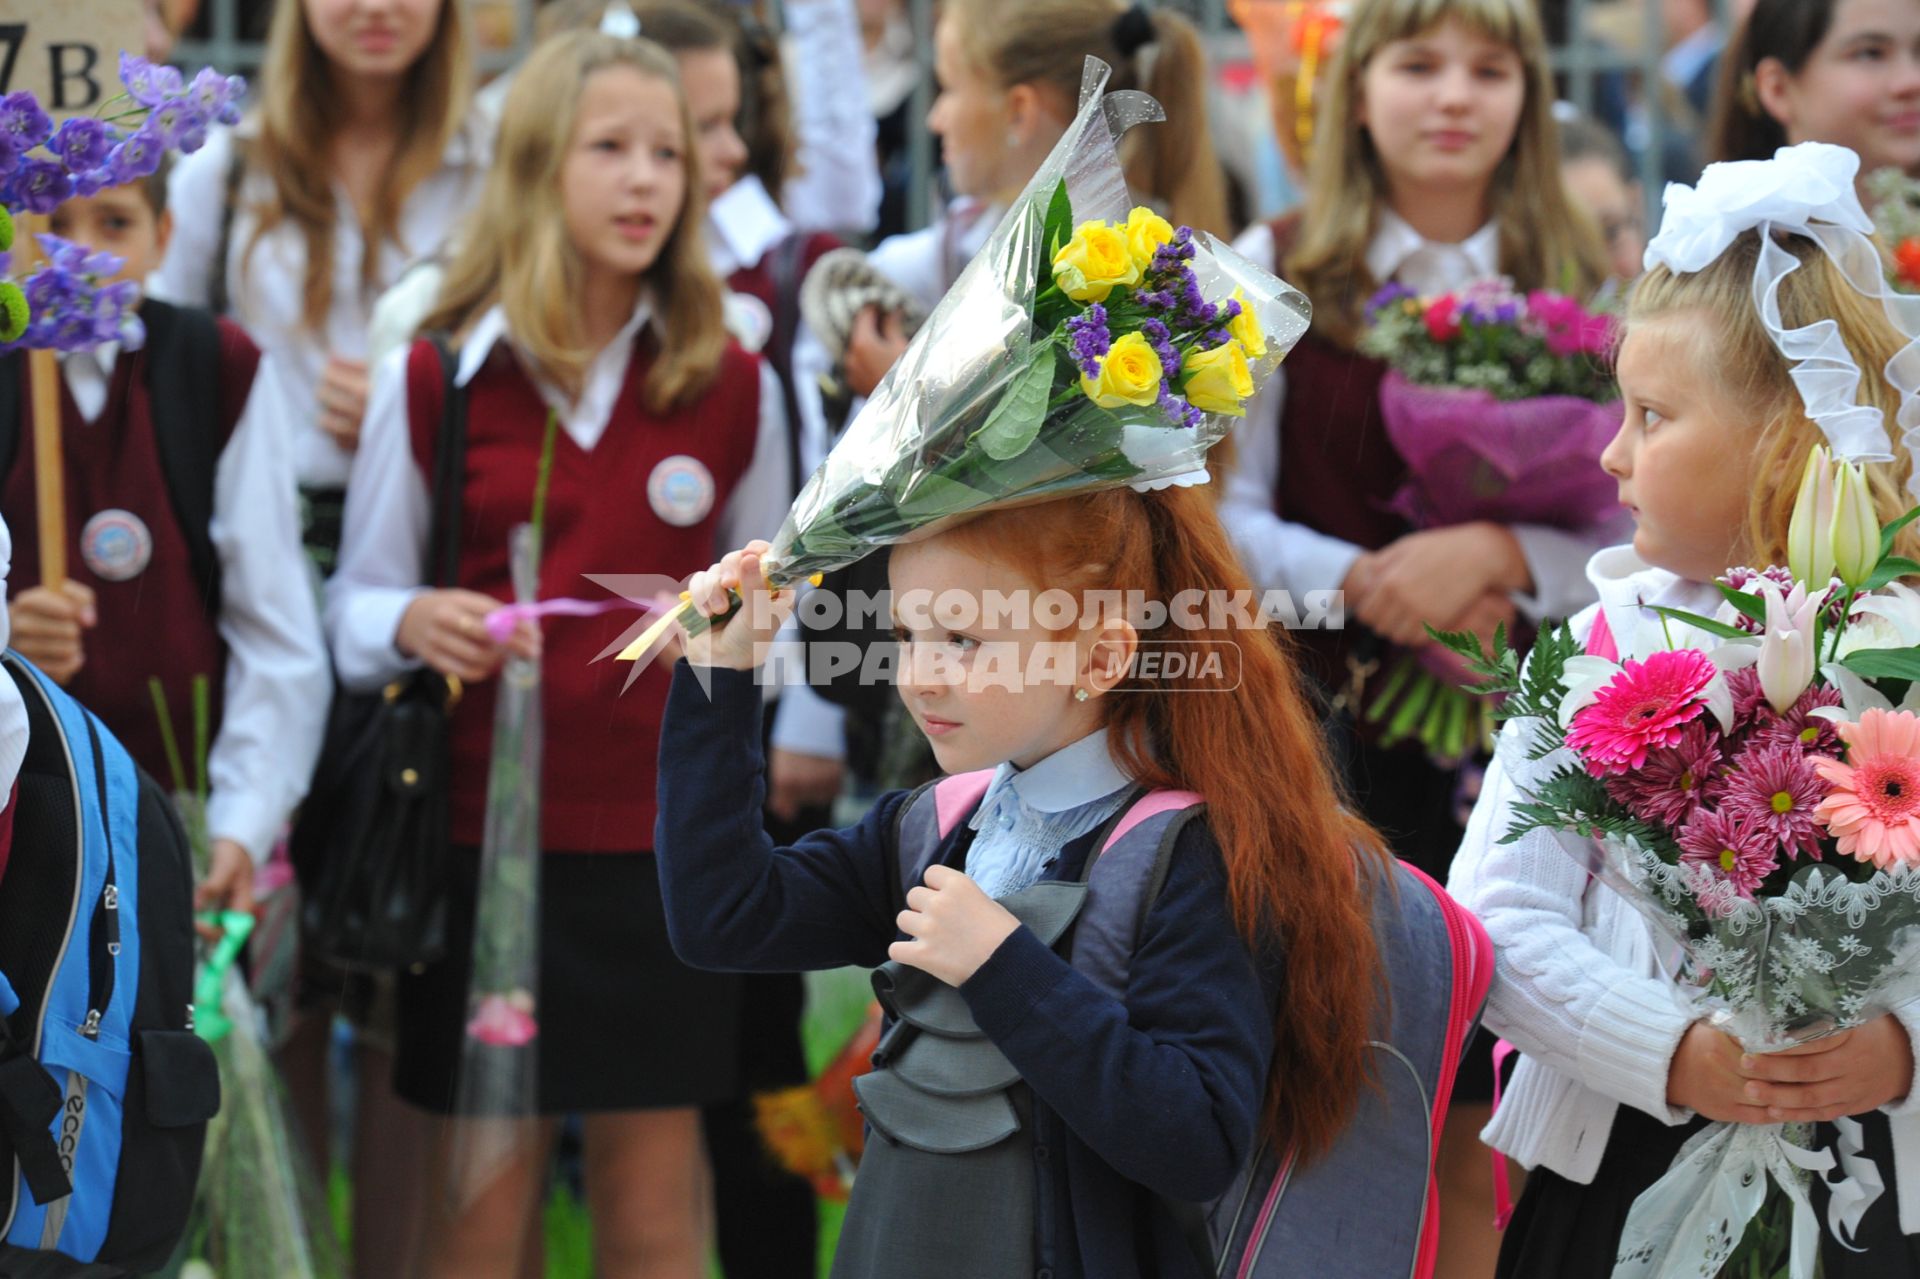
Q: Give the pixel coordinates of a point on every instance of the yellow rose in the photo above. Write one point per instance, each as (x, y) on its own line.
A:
(1094, 263)
(1244, 328)
(1218, 380)
(1146, 231)
(1130, 374)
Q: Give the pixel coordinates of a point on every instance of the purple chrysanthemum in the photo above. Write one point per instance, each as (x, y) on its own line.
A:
(1774, 789)
(1749, 579)
(1733, 850)
(1800, 728)
(1675, 781)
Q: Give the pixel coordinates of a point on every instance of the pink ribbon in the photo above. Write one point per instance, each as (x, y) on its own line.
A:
(501, 622)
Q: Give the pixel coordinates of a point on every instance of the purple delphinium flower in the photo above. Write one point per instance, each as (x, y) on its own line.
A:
(139, 75)
(1731, 849)
(1090, 339)
(193, 131)
(40, 186)
(1774, 789)
(1675, 781)
(167, 120)
(236, 94)
(135, 158)
(22, 119)
(83, 143)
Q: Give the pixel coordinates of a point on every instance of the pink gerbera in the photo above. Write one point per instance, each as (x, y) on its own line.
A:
(1675, 781)
(1730, 847)
(1874, 807)
(1773, 788)
(1647, 706)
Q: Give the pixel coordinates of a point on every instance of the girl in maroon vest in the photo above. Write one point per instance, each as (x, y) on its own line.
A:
(1436, 165)
(579, 289)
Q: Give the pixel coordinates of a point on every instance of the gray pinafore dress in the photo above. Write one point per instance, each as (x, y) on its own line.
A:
(946, 1186)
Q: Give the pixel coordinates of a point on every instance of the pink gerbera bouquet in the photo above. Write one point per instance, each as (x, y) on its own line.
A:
(1751, 782)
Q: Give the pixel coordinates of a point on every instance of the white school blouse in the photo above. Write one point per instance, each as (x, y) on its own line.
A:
(1580, 983)
(277, 685)
(384, 543)
(264, 287)
(1280, 554)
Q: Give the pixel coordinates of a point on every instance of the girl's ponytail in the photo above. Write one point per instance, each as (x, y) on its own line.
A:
(1174, 162)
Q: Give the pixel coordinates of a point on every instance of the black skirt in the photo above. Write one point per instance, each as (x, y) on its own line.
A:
(1564, 1230)
(624, 1025)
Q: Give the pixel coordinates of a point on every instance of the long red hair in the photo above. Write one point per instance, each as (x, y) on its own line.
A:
(1293, 847)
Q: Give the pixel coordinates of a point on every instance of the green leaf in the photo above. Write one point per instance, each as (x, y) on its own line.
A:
(1749, 605)
(1892, 530)
(1022, 409)
(1058, 228)
(1891, 567)
(1706, 624)
(935, 497)
(1884, 663)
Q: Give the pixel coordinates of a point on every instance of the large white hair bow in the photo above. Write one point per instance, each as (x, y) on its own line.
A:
(1804, 190)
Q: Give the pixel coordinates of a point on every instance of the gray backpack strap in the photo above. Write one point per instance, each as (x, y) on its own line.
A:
(1124, 877)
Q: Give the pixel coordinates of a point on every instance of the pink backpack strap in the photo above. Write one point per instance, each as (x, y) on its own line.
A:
(1502, 1189)
(1600, 641)
(956, 796)
(1152, 804)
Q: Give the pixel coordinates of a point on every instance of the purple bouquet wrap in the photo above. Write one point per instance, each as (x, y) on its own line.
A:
(1471, 456)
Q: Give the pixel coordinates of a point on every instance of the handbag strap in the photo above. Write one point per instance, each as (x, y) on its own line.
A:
(449, 469)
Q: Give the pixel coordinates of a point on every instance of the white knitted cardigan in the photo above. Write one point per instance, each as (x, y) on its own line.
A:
(1580, 983)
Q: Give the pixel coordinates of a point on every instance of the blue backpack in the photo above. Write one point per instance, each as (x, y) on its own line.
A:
(1369, 1208)
(105, 1091)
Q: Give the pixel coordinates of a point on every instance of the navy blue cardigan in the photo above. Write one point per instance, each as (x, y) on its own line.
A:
(1137, 1102)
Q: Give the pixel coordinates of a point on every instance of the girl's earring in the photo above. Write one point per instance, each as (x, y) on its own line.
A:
(1081, 694)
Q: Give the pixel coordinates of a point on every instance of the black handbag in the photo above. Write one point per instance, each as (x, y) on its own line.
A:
(370, 847)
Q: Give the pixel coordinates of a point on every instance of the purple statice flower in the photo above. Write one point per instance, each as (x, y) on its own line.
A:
(1161, 340)
(82, 143)
(1675, 781)
(1179, 412)
(1090, 340)
(1774, 789)
(39, 186)
(1389, 295)
(22, 119)
(1733, 850)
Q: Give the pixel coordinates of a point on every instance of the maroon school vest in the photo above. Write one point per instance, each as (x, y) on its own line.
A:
(1338, 470)
(155, 623)
(597, 789)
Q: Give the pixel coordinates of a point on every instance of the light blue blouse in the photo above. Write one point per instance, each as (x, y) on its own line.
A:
(1027, 816)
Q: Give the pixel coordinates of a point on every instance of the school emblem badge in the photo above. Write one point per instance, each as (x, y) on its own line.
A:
(116, 545)
(681, 490)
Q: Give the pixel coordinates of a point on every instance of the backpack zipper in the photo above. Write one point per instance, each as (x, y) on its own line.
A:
(73, 913)
(104, 944)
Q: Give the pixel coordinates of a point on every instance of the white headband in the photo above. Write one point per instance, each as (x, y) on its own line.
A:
(619, 21)
(1804, 190)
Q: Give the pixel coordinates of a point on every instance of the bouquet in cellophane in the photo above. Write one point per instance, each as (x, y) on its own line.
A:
(1090, 344)
(1750, 781)
(1499, 403)
(1896, 224)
